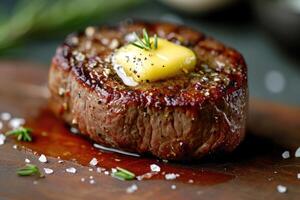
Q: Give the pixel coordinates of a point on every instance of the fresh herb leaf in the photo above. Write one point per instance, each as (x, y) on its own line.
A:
(28, 170)
(145, 43)
(23, 134)
(123, 174)
(155, 42)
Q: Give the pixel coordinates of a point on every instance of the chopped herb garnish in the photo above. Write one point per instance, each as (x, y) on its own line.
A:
(155, 41)
(145, 43)
(23, 134)
(28, 170)
(123, 174)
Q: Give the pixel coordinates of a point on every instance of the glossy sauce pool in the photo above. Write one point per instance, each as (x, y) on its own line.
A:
(53, 138)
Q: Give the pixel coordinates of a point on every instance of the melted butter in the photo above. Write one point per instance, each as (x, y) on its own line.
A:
(140, 65)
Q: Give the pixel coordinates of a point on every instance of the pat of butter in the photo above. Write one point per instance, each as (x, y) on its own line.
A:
(166, 61)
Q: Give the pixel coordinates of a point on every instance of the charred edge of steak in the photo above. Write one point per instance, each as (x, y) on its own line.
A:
(182, 118)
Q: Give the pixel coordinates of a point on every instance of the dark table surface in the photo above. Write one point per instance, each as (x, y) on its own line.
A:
(273, 74)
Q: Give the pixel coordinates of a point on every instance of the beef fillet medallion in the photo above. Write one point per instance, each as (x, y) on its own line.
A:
(151, 88)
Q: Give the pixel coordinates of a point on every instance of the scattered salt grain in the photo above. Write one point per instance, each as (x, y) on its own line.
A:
(16, 123)
(35, 182)
(173, 187)
(94, 162)
(298, 176)
(2, 139)
(60, 161)
(191, 181)
(281, 189)
(106, 172)
(130, 37)
(113, 170)
(91, 177)
(82, 179)
(5, 116)
(74, 130)
(100, 169)
(154, 168)
(91, 169)
(286, 154)
(71, 170)
(171, 176)
(15, 146)
(43, 158)
(132, 188)
(48, 171)
(27, 160)
(297, 153)
(92, 181)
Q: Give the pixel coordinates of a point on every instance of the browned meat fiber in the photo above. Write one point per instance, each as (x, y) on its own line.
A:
(182, 118)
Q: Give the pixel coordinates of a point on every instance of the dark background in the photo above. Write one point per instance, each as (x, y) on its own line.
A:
(273, 69)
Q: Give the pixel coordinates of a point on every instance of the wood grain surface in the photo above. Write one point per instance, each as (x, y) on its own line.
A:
(257, 166)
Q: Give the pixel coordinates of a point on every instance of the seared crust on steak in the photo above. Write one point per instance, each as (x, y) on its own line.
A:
(182, 118)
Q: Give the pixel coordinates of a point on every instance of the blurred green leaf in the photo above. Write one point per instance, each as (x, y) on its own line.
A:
(46, 16)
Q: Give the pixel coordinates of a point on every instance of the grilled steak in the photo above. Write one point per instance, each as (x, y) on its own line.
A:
(182, 118)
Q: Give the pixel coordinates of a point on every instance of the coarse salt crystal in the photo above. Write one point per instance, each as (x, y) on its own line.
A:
(106, 172)
(298, 175)
(43, 158)
(2, 139)
(15, 146)
(281, 189)
(132, 188)
(5, 116)
(130, 37)
(74, 130)
(173, 187)
(91, 177)
(94, 162)
(171, 176)
(82, 179)
(71, 170)
(91, 169)
(297, 153)
(92, 181)
(286, 154)
(48, 171)
(27, 160)
(100, 169)
(154, 168)
(60, 161)
(16, 123)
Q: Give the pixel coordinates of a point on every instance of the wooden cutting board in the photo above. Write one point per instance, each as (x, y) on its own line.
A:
(255, 169)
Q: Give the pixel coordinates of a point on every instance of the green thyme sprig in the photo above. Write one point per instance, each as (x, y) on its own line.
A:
(22, 134)
(145, 43)
(123, 174)
(28, 170)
